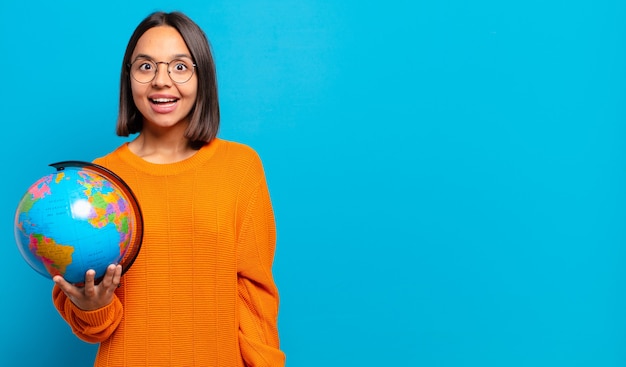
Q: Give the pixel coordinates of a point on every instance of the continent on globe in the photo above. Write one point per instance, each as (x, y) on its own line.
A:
(55, 257)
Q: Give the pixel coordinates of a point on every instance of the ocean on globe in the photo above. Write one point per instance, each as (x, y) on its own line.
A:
(81, 217)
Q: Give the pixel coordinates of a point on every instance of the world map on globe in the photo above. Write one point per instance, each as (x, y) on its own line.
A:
(75, 220)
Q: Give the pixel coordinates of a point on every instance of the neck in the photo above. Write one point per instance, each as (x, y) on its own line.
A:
(161, 149)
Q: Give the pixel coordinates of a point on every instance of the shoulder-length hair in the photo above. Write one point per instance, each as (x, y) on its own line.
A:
(205, 116)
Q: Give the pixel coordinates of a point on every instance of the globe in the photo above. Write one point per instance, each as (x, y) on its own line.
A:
(83, 216)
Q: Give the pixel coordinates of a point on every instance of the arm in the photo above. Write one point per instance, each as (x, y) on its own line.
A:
(92, 311)
(258, 295)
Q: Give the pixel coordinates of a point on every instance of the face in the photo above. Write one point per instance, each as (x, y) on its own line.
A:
(162, 102)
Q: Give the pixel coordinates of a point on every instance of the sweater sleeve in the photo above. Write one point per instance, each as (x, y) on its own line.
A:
(90, 326)
(258, 295)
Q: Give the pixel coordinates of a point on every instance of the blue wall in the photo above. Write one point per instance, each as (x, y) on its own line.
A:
(449, 177)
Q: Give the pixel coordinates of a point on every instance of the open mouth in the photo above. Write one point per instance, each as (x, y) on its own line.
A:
(162, 101)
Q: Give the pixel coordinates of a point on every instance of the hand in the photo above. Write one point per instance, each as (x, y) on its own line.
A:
(91, 296)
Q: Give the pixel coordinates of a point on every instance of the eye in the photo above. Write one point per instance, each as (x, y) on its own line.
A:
(145, 66)
(179, 66)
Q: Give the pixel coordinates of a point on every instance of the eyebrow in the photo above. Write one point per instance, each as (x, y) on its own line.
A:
(177, 56)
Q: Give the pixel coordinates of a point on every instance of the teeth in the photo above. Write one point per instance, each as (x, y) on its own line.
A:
(163, 100)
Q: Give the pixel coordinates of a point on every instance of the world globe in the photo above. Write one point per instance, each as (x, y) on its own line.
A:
(81, 217)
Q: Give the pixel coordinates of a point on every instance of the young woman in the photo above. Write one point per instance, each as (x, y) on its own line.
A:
(201, 291)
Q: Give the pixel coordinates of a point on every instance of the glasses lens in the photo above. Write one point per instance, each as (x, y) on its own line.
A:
(143, 71)
(180, 70)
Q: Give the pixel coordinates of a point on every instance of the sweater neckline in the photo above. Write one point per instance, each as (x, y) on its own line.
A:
(165, 169)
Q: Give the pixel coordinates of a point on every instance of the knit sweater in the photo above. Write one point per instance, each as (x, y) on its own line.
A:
(201, 291)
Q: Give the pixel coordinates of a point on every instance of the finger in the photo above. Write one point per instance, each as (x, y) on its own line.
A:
(64, 285)
(90, 288)
(107, 279)
(117, 276)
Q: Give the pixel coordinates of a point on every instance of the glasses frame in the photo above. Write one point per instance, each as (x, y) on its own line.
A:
(156, 69)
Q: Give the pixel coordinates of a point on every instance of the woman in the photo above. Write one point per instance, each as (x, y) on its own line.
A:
(201, 291)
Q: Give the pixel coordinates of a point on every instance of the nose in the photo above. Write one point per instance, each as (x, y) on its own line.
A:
(162, 77)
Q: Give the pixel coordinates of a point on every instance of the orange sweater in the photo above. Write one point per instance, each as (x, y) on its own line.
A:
(201, 291)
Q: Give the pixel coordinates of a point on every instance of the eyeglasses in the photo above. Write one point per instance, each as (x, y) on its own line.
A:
(145, 70)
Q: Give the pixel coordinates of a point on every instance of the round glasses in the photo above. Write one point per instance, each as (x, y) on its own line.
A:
(145, 70)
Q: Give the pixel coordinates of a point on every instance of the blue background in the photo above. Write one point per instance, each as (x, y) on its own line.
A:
(448, 177)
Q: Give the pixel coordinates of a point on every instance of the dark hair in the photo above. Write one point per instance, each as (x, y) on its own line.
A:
(205, 116)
